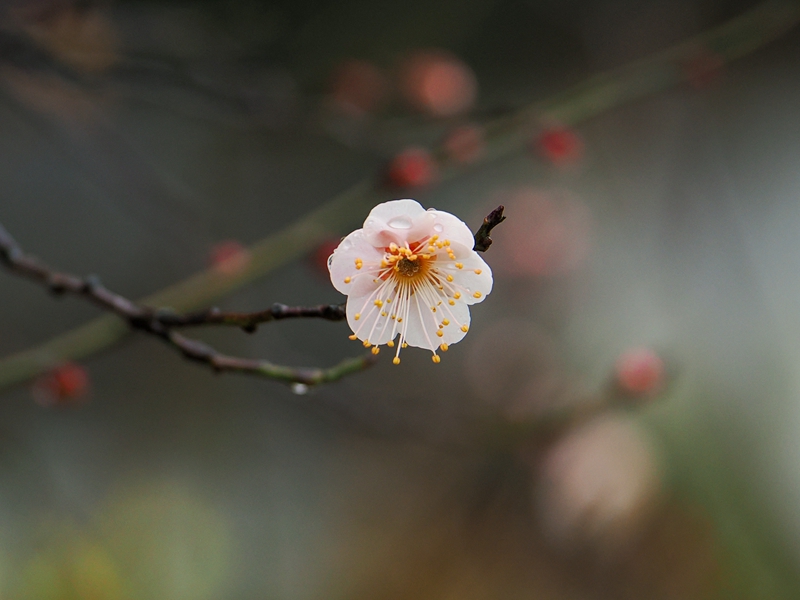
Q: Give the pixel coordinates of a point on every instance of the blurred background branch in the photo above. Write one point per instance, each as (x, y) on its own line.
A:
(504, 135)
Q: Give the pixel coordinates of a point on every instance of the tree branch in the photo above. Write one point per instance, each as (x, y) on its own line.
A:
(160, 323)
(492, 220)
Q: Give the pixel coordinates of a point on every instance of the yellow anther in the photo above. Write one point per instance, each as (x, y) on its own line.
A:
(405, 345)
(477, 295)
(357, 316)
(457, 295)
(384, 264)
(447, 242)
(451, 302)
(367, 344)
(433, 308)
(444, 347)
(464, 328)
(384, 313)
(431, 249)
(439, 332)
(347, 280)
(353, 337)
(459, 265)
(379, 302)
(375, 349)
(394, 317)
(439, 245)
(393, 247)
(478, 271)
(445, 322)
(390, 343)
(399, 319)
(449, 277)
(436, 358)
(396, 360)
(435, 237)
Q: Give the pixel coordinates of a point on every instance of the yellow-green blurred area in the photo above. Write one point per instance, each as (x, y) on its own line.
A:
(146, 141)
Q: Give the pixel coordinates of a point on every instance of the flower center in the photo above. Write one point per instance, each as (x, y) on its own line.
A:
(406, 266)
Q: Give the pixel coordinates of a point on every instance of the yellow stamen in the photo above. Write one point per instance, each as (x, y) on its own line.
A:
(478, 271)
(457, 295)
(384, 313)
(445, 322)
(375, 349)
(347, 280)
(459, 265)
(357, 316)
(451, 302)
(405, 345)
(396, 360)
(464, 328)
(449, 277)
(439, 332)
(477, 295)
(367, 344)
(444, 347)
(436, 358)
(379, 302)
(390, 343)
(353, 337)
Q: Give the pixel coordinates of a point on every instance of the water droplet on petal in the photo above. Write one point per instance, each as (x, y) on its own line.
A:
(299, 389)
(438, 228)
(400, 222)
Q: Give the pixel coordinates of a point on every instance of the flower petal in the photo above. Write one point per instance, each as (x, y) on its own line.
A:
(342, 263)
(450, 227)
(473, 280)
(393, 221)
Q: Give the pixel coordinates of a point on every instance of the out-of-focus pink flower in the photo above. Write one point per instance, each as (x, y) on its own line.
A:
(229, 258)
(411, 168)
(598, 485)
(412, 273)
(559, 145)
(464, 144)
(358, 87)
(640, 372)
(64, 385)
(437, 83)
(549, 234)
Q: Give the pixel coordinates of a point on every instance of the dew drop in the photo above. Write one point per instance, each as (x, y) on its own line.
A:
(400, 223)
(438, 228)
(299, 389)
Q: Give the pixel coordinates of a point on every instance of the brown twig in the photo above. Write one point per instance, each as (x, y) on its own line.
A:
(492, 220)
(161, 322)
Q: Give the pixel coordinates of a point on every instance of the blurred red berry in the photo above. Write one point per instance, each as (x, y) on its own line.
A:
(640, 372)
(438, 83)
(357, 87)
(703, 69)
(318, 259)
(229, 257)
(64, 385)
(413, 167)
(464, 144)
(560, 146)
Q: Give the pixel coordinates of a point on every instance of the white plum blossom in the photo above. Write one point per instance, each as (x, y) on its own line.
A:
(412, 273)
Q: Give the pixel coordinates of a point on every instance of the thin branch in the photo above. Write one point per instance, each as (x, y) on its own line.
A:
(160, 323)
(492, 220)
(249, 322)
